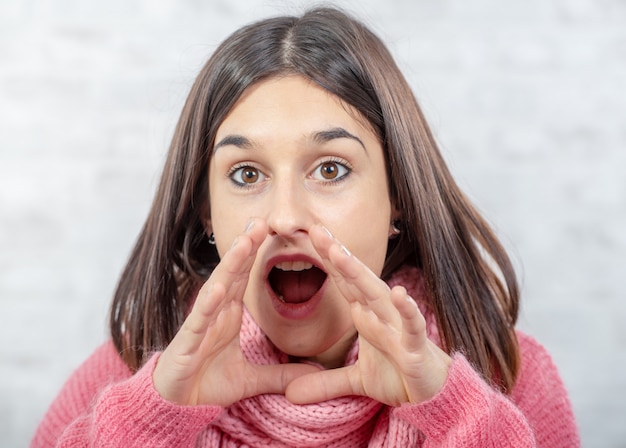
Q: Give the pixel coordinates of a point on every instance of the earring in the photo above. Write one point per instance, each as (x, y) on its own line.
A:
(394, 230)
(212, 239)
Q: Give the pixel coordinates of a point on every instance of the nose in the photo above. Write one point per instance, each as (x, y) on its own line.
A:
(288, 212)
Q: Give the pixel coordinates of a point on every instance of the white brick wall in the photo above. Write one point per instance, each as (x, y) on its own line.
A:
(527, 98)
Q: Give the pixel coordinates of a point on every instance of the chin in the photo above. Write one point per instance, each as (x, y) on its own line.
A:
(328, 353)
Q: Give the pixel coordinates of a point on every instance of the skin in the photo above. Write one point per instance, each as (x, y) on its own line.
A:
(280, 119)
(293, 166)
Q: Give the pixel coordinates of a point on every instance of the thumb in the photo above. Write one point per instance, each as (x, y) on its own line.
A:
(274, 379)
(322, 386)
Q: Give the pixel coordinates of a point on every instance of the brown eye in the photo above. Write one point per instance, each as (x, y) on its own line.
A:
(246, 175)
(329, 170)
(249, 175)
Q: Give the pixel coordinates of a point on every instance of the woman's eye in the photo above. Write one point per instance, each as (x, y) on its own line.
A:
(246, 175)
(331, 171)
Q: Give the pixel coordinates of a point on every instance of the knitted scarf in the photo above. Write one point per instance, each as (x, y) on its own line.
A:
(271, 420)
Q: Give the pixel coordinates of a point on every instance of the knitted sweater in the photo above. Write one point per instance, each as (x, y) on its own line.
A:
(103, 404)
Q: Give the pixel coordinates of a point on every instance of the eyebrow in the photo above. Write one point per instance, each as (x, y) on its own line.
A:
(319, 137)
(233, 140)
(335, 133)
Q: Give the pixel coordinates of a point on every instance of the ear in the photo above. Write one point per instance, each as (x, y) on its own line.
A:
(208, 227)
(205, 218)
(394, 223)
(396, 215)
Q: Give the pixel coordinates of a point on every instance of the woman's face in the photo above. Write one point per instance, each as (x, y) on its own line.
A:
(293, 154)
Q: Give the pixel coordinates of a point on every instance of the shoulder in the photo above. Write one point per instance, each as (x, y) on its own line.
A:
(102, 368)
(540, 394)
(106, 363)
(534, 357)
(538, 375)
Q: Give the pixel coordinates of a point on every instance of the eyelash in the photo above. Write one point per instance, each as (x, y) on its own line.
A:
(343, 163)
(337, 161)
(231, 172)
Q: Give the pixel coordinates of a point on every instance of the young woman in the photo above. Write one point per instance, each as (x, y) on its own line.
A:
(310, 274)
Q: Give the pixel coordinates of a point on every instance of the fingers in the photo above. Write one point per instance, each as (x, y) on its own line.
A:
(236, 263)
(356, 281)
(205, 308)
(224, 288)
(234, 268)
(337, 258)
(377, 303)
(413, 322)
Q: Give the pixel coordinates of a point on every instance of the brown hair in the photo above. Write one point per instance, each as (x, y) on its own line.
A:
(474, 292)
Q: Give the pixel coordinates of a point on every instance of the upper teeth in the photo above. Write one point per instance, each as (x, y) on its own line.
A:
(294, 265)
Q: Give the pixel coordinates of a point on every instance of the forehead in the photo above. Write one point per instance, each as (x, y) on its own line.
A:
(281, 102)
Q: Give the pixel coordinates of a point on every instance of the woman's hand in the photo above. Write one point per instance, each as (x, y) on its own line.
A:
(204, 364)
(397, 362)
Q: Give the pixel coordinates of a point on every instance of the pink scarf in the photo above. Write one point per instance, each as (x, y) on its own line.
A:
(271, 420)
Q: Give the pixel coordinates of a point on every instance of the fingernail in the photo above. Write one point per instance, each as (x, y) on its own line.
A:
(345, 250)
(249, 226)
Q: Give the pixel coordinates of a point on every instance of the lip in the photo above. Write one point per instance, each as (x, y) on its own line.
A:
(294, 311)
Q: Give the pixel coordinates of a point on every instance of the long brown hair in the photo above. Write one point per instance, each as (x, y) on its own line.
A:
(472, 284)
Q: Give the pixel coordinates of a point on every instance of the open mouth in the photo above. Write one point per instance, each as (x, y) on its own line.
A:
(295, 282)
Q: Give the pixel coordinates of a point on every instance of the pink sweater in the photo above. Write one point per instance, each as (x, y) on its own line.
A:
(102, 404)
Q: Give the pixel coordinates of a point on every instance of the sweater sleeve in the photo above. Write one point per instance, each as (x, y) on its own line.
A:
(103, 405)
(469, 413)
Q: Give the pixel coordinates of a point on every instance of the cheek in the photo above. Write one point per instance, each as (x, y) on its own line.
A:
(225, 222)
(226, 232)
(364, 229)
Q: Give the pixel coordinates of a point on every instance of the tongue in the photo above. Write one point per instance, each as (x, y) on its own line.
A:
(296, 287)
